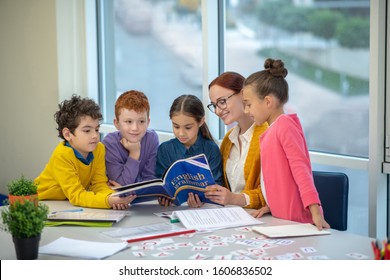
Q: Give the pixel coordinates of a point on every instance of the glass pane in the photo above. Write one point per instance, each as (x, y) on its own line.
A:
(325, 47)
(158, 50)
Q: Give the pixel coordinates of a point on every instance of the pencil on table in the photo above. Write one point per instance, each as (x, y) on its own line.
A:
(377, 252)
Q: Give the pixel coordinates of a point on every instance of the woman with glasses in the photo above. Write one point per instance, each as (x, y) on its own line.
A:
(240, 147)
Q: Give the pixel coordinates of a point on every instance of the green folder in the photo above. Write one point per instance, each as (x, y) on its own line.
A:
(78, 223)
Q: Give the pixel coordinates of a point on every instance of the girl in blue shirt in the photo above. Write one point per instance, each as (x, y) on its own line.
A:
(192, 137)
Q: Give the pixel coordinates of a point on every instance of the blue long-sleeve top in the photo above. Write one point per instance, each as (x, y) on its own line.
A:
(172, 150)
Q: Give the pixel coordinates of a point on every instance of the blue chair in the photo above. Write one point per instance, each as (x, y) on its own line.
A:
(333, 188)
(2, 198)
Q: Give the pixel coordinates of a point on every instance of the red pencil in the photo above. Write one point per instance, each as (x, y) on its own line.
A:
(161, 235)
(377, 252)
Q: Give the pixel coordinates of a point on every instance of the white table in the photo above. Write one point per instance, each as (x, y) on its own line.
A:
(337, 245)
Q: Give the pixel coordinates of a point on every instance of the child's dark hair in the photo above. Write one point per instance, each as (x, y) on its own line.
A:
(70, 111)
(270, 81)
(191, 106)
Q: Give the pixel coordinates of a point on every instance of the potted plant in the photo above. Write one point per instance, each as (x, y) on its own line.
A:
(22, 189)
(25, 222)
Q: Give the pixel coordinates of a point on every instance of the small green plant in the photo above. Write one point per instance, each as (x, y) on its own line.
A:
(24, 219)
(22, 186)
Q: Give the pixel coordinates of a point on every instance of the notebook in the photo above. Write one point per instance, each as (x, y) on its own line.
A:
(293, 230)
(87, 216)
(78, 223)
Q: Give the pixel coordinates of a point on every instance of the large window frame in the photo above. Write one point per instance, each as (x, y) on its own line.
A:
(86, 52)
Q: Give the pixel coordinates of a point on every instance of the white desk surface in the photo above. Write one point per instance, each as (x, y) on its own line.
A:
(338, 245)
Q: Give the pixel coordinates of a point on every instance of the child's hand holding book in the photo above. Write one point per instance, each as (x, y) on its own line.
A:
(120, 203)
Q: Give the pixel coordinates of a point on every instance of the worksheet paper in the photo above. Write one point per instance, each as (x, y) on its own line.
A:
(81, 249)
(216, 218)
(146, 231)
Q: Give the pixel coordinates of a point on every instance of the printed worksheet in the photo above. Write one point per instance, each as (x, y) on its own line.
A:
(216, 218)
(140, 233)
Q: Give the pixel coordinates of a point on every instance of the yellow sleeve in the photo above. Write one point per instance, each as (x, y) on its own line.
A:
(65, 177)
(225, 147)
(252, 170)
(99, 179)
(256, 198)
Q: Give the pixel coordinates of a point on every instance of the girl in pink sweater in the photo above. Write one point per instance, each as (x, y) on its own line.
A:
(286, 175)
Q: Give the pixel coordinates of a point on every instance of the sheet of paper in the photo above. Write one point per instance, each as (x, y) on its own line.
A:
(289, 230)
(215, 218)
(81, 249)
(144, 231)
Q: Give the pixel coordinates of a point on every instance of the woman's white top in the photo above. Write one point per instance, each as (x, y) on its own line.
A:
(237, 157)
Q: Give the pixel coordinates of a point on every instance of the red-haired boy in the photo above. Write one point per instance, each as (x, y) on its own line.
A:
(131, 151)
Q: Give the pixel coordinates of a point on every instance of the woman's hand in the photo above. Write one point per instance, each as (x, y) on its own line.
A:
(260, 212)
(223, 196)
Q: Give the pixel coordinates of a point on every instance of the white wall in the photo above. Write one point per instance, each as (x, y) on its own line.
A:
(28, 87)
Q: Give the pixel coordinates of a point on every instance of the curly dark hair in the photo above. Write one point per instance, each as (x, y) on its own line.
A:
(70, 112)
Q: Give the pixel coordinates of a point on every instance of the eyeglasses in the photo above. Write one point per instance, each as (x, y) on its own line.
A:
(221, 103)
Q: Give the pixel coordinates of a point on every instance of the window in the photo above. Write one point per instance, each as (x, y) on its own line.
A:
(173, 47)
(325, 47)
(151, 46)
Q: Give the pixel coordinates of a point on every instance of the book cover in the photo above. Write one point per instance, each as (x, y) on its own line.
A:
(182, 177)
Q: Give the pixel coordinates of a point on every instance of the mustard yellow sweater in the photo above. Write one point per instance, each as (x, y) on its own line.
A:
(251, 169)
(66, 177)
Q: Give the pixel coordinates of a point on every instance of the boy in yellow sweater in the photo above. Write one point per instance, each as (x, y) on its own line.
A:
(76, 170)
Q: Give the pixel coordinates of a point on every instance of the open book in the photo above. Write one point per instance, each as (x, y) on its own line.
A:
(182, 177)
